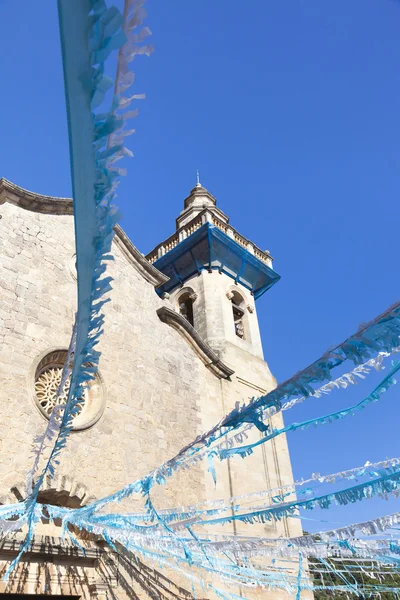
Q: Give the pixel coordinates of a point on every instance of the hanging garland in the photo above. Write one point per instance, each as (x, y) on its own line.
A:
(374, 396)
(175, 538)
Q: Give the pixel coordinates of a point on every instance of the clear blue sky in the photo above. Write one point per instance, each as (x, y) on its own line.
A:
(290, 109)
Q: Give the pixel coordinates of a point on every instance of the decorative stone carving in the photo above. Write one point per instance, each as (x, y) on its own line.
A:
(46, 387)
(48, 375)
(193, 296)
(250, 308)
(229, 295)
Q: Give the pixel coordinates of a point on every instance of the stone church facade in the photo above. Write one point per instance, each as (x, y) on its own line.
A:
(181, 346)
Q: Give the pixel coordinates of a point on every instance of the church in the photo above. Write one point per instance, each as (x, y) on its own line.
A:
(181, 348)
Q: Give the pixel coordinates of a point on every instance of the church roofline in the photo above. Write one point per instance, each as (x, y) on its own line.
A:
(48, 205)
(52, 205)
(140, 262)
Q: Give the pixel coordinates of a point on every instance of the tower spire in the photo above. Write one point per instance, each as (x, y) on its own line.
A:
(198, 184)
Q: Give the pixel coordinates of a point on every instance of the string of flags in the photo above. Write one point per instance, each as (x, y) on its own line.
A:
(188, 539)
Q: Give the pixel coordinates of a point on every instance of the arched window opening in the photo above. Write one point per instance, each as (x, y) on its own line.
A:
(186, 307)
(238, 314)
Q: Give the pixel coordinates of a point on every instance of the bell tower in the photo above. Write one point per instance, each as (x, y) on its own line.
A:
(215, 275)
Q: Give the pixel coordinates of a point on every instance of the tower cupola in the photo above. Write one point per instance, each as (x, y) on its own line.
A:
(198, 200)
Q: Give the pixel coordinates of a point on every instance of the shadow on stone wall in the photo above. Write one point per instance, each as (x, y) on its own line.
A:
(126, 567)
(72, 581)
(49, 568)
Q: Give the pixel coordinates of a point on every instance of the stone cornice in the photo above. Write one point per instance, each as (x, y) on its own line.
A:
(208, 214)
(51, 205)
(50, 549)
(214, 210)
(203, 350)
(62, 489)
(48, 205)
(137, 260)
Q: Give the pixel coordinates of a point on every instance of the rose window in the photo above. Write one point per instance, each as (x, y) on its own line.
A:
(48, 376)
(46, 387)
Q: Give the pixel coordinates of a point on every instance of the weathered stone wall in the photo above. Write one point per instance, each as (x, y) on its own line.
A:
(153, 380)
(269, 466)
(159, 395)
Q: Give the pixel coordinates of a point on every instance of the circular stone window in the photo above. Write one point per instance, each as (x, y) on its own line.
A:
(48, 375)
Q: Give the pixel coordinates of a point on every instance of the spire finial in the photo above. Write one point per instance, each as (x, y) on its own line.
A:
(198, 184)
